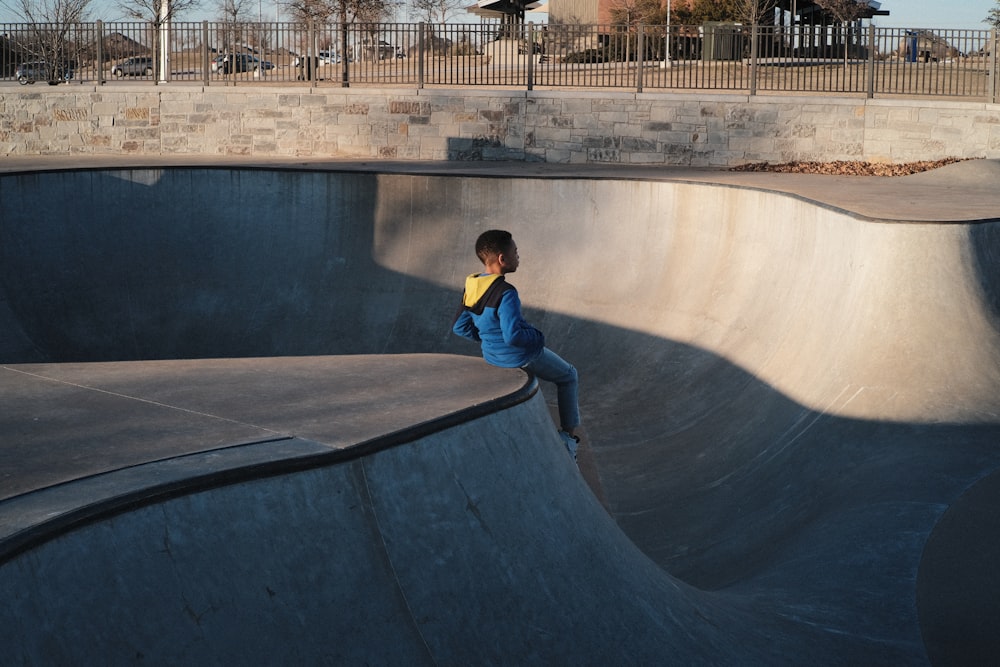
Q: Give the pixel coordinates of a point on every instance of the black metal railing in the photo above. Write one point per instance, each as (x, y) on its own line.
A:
(851, 60)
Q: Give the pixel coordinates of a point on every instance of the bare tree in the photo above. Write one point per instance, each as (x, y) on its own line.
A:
(47, 37)
(753, 12)
(349, 11)
(156, 11)
(846, 11)
(234, 11)
(236, 17)
(52, 11)
(435, 11)
(343, 12)
(158, 14)
(632, 13)
(369, 11)
(304, 11)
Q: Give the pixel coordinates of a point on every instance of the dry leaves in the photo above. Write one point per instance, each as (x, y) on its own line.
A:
(849, 168)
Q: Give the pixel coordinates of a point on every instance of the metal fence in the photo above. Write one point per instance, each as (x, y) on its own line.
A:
(848, 60)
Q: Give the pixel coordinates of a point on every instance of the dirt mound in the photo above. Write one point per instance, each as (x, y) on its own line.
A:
(850, 168)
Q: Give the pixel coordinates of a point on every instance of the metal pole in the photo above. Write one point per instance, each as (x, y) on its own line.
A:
(165, 41)
(640, 47)
(345, 53)
(100, 53)
(794, 13)
(421, 54)
(666, 59)
(669, 11)
(206, 67)
(531, 55)
(993, 65)
(871, 61)
(313, 63)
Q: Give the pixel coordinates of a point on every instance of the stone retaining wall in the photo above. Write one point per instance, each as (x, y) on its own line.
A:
(694, 129)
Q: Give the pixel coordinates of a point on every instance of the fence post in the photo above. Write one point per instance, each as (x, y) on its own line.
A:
(230, 51)
(531, 55)
(871, 61)
(206, 66)
(753, 57)
(639, 48)
(993, 66)
(421, 54)
(312, 62)
(345, 58)
(100, 52)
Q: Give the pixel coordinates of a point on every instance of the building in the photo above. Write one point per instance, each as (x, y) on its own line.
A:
(590, 12)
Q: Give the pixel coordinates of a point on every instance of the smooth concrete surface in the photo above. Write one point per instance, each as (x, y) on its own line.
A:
(787, 401)
(82, 440)
(219, 403)
(962, 192)
(477, 545)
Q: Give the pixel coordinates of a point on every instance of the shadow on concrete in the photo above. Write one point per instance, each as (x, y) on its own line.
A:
(725, 481)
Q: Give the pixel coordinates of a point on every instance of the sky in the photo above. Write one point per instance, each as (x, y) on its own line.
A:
(968, 14)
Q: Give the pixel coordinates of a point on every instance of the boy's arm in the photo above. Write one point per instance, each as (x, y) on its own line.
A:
(464, 326)
(516, 331)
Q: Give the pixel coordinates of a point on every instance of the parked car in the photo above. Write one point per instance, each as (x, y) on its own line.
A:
(263, 64)
(241, 62)
(135, 66)
(41, 71)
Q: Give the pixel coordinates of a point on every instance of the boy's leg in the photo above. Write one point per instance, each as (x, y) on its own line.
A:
(550, 367)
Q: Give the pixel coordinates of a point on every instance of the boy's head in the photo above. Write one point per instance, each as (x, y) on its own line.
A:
(497, 251)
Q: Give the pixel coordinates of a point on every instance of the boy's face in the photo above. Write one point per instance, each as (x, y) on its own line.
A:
(509, 260)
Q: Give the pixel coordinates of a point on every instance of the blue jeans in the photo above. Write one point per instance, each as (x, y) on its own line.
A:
(550, 367)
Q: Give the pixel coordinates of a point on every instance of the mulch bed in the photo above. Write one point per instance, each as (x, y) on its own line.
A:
(849, 168)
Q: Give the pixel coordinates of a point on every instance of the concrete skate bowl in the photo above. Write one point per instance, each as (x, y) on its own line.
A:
(786, 402)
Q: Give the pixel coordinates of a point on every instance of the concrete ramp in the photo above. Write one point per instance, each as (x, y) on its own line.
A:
(477, 545)
(786, 402)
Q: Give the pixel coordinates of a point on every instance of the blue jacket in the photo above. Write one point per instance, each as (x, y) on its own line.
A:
(491, 315)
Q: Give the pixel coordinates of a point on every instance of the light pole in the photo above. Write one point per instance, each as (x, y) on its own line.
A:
(666, 60)
(164, 19)
(794, 37)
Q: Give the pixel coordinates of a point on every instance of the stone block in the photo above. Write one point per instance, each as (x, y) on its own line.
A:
(645, 158)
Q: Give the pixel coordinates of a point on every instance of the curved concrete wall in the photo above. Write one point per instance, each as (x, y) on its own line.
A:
(783, 398)
(478, 545)
(176, 263)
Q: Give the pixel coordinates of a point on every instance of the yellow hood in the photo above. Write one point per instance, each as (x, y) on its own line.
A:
(476, 285)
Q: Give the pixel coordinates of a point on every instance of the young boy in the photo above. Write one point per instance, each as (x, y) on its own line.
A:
(491, 315)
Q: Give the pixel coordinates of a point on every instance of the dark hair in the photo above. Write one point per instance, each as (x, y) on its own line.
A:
(492, 243)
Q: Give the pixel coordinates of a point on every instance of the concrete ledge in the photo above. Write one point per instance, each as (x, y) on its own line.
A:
(177, 427)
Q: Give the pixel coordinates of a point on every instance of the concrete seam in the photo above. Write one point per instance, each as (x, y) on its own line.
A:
(388, 559)
(140, 400)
